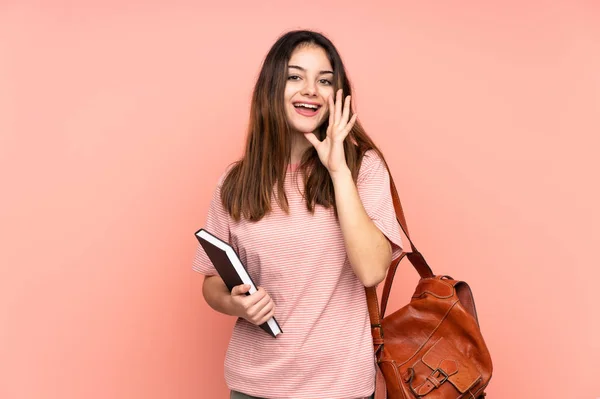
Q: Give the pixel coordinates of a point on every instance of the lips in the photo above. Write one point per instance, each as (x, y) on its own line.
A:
(307, 104)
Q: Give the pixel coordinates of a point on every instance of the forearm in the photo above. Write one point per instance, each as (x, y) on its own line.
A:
(217, 295)
(369, 251)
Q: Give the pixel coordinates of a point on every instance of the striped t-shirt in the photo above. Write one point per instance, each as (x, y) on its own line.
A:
(326, 349)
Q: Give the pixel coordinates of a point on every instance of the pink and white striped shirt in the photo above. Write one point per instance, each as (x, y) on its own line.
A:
(326, 348)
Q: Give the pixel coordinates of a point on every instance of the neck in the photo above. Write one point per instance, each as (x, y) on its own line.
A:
(299, 145)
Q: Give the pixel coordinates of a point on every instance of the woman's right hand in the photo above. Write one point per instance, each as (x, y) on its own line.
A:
(257, 308)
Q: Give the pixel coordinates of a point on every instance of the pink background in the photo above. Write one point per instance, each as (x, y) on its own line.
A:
(116, 118)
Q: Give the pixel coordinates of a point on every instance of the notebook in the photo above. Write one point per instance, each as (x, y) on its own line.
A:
(230, 268)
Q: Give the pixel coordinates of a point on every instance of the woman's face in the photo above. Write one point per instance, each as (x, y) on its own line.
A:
(309, 82)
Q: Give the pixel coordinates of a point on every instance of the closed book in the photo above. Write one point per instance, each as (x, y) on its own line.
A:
(227, 263)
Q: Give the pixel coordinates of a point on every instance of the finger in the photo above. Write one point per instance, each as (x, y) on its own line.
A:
(240, 289)
(331, 110)
(350, 124)
(250, 300)
(312, 139)
(346, 113)
(255, 309)
(268, 308)
(265, 314)
(258, 297)
(266, 317)
(338, 107)
(341, 136)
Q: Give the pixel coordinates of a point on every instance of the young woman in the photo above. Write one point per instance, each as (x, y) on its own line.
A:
(308, 208)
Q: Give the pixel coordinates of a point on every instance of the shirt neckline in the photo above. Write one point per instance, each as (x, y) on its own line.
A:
(293, 167)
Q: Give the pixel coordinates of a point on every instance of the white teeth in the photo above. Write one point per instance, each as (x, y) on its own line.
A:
(313, 106)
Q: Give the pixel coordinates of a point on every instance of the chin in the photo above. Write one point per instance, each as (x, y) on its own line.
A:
(302, 124)
(306, 127)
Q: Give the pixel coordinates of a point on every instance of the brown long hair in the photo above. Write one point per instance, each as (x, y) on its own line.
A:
(249, 185)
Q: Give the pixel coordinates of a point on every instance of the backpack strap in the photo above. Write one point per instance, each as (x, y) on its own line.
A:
(415, 258)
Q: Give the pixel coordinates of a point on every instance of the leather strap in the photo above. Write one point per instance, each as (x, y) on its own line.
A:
(414, 256)
(380, 391)
(376, 314)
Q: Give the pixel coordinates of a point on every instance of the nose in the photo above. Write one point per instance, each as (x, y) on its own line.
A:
(309, 88)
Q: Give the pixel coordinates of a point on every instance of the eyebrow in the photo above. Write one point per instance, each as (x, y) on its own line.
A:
(304, 70)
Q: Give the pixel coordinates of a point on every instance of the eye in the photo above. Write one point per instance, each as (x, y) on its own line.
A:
(326, 82)
(292, 77)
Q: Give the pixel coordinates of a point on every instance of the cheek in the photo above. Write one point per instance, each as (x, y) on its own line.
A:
(326, 94)
(288, 92)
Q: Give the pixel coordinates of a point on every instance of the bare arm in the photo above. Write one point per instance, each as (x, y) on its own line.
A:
(217, 295)
(369, 251)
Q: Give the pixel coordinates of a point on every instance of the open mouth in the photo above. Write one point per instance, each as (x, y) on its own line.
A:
(307, 109)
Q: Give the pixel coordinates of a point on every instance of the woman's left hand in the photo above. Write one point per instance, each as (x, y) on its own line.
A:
(331, 149)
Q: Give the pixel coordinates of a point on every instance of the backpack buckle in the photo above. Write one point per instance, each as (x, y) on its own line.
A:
(435, 377)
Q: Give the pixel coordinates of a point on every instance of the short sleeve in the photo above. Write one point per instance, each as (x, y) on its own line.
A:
(217, 223)
(373, 186)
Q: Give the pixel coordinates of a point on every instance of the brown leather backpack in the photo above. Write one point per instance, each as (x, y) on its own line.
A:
(431, 348)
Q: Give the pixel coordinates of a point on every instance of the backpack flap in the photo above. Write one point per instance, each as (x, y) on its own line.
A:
(448, 364)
